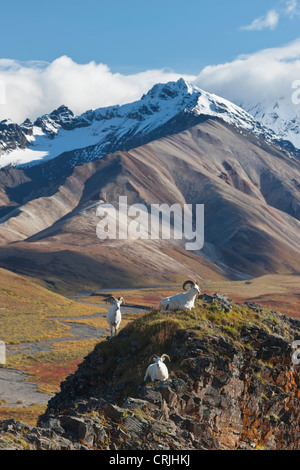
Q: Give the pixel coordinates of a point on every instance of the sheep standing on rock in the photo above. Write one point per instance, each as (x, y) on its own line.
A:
(184, 301)
(114, 316)
(158, 370)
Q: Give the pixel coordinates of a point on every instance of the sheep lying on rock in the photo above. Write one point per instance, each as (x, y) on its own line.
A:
(185, 300)
(158, 370)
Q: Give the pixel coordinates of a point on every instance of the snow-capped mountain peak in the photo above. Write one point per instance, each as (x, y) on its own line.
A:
(165, 109)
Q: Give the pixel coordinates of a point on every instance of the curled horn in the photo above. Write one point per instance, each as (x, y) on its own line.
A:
(154, 356)
(186, 283)
(110, 299)
(165, 355)
(120, 299)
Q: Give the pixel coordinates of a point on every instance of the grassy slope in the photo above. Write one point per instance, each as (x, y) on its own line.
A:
(28, 311)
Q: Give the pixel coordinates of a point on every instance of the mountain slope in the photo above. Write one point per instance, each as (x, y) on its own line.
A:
(249, 189)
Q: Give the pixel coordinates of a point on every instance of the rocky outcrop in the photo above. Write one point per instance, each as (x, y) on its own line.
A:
(230, 387)
(221, 300)
(61, 118)
(12, 136)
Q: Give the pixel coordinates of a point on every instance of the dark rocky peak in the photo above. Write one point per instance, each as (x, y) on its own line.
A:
(11, 136)
(27, 127)
(60, 118)
(167, 91)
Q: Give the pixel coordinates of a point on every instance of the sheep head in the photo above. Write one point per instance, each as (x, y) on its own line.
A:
(156, 358)
(115, 301)
(188, 283)
(192, 284)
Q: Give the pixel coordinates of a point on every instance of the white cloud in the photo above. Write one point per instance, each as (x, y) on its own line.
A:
(291, 8)
(35, 88)
(266, 75)
(270, 20)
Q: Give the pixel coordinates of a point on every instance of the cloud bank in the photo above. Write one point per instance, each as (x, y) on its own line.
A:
(35, 88)
(264, 76)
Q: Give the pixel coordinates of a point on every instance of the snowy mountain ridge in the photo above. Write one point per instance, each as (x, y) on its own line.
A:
(282, 116)
(105, 130)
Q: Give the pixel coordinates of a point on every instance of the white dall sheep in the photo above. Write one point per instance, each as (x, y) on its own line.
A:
(184, 301)
(158, 370)
(113, 315)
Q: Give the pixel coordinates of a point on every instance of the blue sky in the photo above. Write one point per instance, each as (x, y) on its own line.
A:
(131, 36)
(94, 53)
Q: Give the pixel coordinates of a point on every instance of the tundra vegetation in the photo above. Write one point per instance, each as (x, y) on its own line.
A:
(210, 348)
(30, 313)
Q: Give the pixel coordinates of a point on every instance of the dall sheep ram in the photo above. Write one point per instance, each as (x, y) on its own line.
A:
(158, 370)
(184, 301)
(113, 315)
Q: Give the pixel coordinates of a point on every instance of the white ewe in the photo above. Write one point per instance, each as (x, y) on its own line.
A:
(185, 300)
(158, 370)
(114, 316)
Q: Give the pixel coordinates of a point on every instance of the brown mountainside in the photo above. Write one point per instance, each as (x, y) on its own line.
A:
(250, 190)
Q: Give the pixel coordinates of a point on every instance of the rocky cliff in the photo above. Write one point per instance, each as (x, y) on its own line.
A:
(232, 385)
